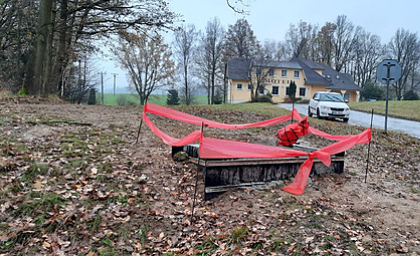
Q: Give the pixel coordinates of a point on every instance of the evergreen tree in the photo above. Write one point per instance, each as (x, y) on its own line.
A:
(92, 97)
(173, 98)
(291, 92)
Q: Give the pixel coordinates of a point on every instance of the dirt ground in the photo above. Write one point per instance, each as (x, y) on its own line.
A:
(336, 215)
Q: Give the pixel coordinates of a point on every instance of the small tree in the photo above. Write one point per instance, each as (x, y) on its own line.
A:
(291, 92)
(92, 97)
(173, 98)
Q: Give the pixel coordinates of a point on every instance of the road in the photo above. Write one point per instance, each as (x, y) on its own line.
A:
(363, 119)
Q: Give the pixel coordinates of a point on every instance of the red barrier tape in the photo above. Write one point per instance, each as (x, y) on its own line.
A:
(211, 148)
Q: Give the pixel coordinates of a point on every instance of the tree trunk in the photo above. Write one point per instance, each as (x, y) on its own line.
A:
(42, 41)
(62, 50)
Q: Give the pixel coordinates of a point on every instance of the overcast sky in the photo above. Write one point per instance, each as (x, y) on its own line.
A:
(270, 19)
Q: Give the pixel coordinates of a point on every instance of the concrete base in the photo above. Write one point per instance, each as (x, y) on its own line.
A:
(220, 175)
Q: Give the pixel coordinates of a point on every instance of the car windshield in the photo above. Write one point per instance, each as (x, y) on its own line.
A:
(331, 98)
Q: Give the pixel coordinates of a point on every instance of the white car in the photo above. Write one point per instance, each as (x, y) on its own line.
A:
(328, 105)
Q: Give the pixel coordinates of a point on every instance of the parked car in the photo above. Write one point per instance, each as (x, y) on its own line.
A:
(329, 105)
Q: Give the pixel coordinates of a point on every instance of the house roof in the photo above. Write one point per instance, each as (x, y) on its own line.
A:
(238, 69)
(277, 64)
(311, 76)
(339, 81)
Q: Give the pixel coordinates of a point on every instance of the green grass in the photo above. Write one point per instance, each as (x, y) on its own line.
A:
(398, 109)
(133, 99)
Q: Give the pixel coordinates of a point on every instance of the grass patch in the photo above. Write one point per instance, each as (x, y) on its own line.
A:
(37, 203)
(239, 234)
(35, 170)
(133, 99)
(399, 109)
(208, 247)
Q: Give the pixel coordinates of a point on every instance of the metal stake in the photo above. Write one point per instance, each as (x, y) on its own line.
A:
(196, 175)
(367, 162)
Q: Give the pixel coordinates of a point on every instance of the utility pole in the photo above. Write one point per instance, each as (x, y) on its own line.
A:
(102, 86)
(115, 80)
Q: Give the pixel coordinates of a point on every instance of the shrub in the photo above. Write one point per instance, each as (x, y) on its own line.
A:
(122, 100)
(23, 91)
(411, 95)
(373, 91)
(264, 98)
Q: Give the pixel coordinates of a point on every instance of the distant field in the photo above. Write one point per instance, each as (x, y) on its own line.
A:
(398, 109)
(133, 99)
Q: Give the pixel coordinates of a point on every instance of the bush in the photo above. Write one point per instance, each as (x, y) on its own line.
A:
(264, 99)
(23, 91)
(290, 100)
(411, 95)
(373, 91)
(122, 100)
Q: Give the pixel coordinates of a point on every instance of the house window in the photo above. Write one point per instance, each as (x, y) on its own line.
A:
(284, 73)
(287, 90)
(261, 90)
(271, 72)
(347, 96)
(249, 87)
(275, 90)
(296, 74)
(258, 71)
(239, 86)
(302, 91)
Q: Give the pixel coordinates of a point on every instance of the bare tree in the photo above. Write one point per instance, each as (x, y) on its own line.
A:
(17, 34)
(368, 52)
(184, 46)
(239, 6)
(300, 40)
(259, 71)
(345, 37)
(60, 36)
(147, 60)
(274, 50)
(210, 57)
(405, 47)
(80, 81)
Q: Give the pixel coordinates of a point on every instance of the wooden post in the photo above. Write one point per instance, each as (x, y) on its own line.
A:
(138, 133)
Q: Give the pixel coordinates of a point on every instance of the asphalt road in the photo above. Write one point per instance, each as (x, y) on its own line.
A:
(363, 119)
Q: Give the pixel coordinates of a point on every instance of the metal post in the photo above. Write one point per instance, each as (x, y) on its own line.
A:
(388, 67)
(368, 157)
(196, 176)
